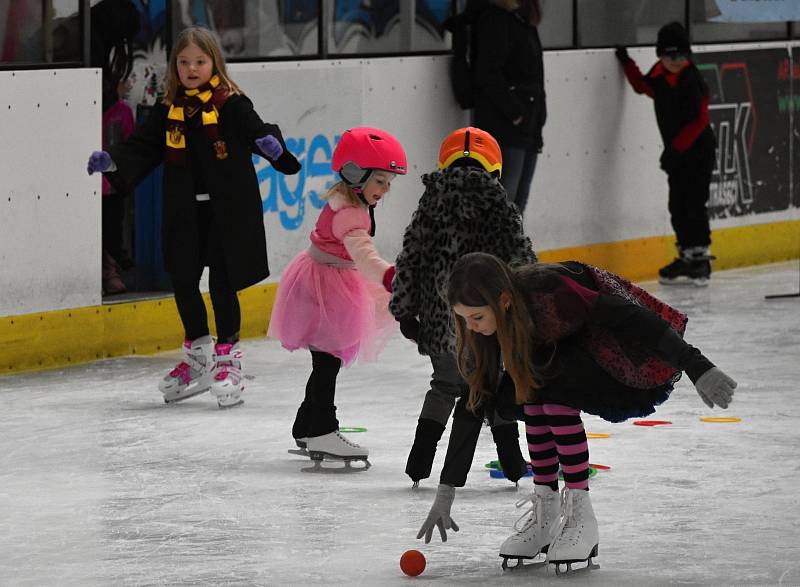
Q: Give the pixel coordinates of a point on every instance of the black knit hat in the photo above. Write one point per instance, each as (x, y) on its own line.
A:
(672, 39)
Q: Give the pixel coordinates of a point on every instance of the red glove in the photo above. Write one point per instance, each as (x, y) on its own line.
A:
(388, 276)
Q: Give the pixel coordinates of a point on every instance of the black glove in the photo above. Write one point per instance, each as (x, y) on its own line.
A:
(409, 327)
(670, 160)
(621, 54)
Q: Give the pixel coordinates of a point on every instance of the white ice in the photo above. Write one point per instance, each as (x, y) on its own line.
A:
(102, 484)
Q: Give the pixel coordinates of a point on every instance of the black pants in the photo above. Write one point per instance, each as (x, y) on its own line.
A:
(688, 196)
(316, 416)
(192, 309)
(113, 217)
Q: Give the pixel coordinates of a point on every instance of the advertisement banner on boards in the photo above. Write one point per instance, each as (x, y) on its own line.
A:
(756, 11)
(750, 112)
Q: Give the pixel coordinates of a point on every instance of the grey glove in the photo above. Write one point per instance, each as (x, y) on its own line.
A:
(439, 515)
(714, 387)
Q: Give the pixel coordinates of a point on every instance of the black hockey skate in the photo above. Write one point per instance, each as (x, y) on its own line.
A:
(688, 269)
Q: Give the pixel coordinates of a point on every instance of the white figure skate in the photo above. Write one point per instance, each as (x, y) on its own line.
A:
(193, 375)
(576, 537)
(228, 381)
(532, 529)
(335, 447)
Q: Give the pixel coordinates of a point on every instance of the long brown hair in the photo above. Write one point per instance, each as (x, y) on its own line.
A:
(480, 279)
(207, 42)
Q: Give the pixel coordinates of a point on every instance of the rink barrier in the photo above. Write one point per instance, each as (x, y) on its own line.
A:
(61, 338)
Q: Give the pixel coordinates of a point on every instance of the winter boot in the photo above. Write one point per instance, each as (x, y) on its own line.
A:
(112, 282)
(576, 537)
(193, 375)
(228, 383)
(506, 440)
(336, 445)
(420, 459)
(532, 529)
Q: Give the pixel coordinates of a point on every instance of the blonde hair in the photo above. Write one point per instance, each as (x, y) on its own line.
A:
(480, 279)
(208, 44)
(340, 187)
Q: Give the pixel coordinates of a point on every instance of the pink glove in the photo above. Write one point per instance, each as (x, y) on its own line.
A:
(388, 276)
(270, 146)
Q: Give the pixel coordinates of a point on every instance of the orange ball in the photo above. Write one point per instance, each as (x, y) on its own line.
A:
(412, 563)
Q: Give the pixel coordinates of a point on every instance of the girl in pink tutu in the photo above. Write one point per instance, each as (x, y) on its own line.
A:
(333, 297)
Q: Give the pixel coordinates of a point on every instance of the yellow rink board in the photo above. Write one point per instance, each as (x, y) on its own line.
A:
(67, 337)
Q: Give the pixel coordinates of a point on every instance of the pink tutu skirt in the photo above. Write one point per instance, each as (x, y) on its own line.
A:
(331, 309)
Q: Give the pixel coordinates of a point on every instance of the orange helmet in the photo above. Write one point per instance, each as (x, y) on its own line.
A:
(473, 143)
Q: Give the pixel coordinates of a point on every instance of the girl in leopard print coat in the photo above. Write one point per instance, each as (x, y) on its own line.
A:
(464, 209)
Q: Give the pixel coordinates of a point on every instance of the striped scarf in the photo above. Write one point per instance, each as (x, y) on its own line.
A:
(207, 99)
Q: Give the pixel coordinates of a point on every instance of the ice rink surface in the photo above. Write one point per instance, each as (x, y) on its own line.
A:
(103, 484)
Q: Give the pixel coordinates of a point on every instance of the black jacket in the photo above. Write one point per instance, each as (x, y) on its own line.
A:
(509, 79)
(231, 182)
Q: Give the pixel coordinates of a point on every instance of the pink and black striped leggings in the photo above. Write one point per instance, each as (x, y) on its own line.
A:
(556, 437)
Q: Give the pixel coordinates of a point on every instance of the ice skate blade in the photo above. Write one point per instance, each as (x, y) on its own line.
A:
(229, 406)
(521, 564)
(185, 396)
(590, 564)
(319, 457)
(684, 281)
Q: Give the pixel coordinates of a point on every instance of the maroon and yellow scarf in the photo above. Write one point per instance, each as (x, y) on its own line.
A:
(207, 99)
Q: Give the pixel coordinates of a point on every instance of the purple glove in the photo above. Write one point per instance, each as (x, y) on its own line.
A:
(270, 146)
(98, 161)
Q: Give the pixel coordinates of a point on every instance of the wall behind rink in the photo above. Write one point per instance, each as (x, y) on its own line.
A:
(597, 195)
(49, 207)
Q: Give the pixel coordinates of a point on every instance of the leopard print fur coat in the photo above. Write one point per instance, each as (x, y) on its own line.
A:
(463, 210)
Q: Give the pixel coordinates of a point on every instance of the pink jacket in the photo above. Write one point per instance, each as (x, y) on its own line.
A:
(342, 230)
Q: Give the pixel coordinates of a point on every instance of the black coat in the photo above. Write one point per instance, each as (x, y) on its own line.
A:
(231, 182)
(677, 107)
(509, 79)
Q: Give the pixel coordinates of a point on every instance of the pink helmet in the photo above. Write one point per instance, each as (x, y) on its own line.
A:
(362, 150)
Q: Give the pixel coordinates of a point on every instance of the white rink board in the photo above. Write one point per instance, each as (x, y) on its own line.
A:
(49, 207)
(409, 97)
(597, 180)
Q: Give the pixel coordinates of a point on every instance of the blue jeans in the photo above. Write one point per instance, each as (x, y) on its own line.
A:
(519, 163)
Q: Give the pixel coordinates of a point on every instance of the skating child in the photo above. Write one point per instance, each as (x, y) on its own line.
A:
(332, 298)
(205, 132)
(681, 97)
(464, 209)
(571, 338)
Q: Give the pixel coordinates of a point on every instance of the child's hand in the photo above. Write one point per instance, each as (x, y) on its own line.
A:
(98, 161)
(270, 146)
(439, 516)
(409, 328)
(670, 160)
(714, 387)
(388, 277)
(621, 54)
